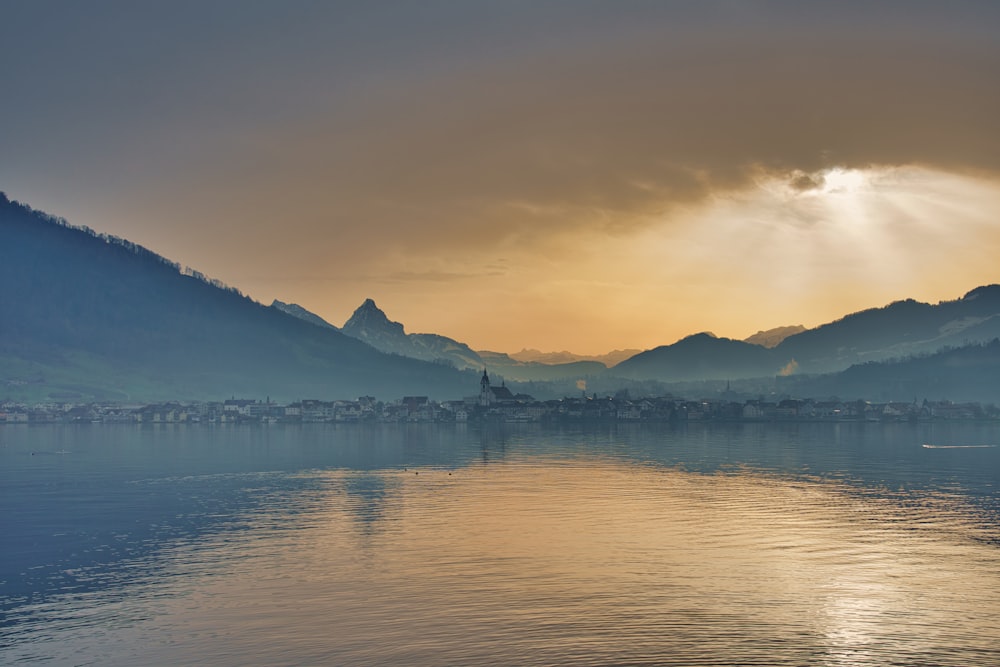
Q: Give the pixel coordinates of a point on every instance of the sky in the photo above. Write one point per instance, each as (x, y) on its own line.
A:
(553, 175)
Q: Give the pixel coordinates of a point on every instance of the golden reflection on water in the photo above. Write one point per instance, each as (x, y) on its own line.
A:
(591, 561)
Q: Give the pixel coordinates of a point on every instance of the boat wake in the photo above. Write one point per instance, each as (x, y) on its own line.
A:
(926, 446)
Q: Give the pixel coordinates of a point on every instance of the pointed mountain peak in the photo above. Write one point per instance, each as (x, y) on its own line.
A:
(371, 325)
(369, 311)
(369, 321)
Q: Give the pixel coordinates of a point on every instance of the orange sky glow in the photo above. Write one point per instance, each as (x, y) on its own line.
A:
(543, 175)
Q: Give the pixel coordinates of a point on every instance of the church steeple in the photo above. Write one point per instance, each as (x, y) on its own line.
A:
(484, 390)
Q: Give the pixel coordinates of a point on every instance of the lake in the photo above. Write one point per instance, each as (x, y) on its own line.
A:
(716, 544)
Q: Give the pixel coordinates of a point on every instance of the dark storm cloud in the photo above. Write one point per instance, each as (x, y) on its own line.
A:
(633, 118)
(454, 124)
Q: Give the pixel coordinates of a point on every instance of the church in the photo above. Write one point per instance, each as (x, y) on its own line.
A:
(490, 396)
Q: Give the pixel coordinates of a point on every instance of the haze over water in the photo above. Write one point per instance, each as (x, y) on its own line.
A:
(739, 544)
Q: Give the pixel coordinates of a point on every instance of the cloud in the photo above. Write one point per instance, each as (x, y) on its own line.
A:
(434, 276)
(610, 152)
(446, 127)
(791, 368)
(802, 182)
(604, 136)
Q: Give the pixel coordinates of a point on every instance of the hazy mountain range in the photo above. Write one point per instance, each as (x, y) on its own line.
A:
(87, 315)
(99, 317)
(565, 357)
(897, 330)
(901, 329)
(967, 373)
(370, 324)
(772, 337)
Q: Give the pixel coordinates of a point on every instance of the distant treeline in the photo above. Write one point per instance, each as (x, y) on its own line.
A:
(116, 242)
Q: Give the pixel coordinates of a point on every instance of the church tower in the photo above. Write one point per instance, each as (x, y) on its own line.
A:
(484, 390)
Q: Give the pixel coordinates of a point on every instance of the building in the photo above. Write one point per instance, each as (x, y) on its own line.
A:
(490, 396)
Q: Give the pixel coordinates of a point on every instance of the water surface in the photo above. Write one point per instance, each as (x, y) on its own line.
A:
(830, 544)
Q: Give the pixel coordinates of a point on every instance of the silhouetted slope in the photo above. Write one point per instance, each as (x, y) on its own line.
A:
(898, 329)
(370, 324)
(700, 357)
(967, 373)
(534, 371)
(566, 357)
(295, 310)
(772, 337)
(111, 317)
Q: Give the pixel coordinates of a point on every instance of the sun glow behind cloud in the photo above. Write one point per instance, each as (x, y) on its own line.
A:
(836, 180)
(791, 248)
(541, 175)
(786, 248)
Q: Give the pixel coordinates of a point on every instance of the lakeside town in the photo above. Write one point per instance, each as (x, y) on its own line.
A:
(498, 404)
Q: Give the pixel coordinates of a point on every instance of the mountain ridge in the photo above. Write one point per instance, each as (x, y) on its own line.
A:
(102, 317)
(97, 313)
(966, 373)
(371, 325)
(295, 310)
(898, 329)
(565, 356)
(773, 337)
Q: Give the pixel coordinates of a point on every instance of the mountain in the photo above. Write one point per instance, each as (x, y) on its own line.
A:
(535, 371)
(967, 373)
(565, 357)
(295, 310)
(899, 329)
(369, 324)
(88, 315)
(773, 337)
(84, 315)
(700, 357)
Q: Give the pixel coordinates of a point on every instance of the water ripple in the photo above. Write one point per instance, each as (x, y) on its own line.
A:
(572, 556)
